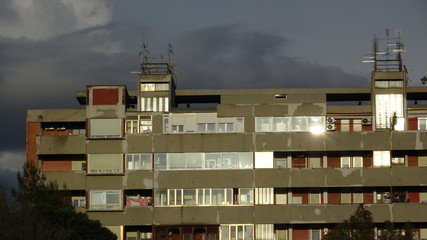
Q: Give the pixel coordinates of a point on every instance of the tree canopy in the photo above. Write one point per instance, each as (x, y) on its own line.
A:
(39, 210)
(360, 226)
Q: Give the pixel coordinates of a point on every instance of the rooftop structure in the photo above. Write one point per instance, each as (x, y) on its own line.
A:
(162, 163)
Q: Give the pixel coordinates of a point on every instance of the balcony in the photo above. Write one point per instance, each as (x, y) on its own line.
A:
(61, 144)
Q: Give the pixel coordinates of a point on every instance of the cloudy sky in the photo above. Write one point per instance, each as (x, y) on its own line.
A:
(51, 48)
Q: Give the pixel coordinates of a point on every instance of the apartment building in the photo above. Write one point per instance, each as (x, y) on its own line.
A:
(286, 164)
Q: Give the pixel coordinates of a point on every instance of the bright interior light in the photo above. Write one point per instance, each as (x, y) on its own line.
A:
(317, 129)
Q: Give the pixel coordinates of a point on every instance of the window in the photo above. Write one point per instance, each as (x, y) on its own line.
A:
(105, 128)
(389, 83)
(105, 200)
(200, 197)
(226, 160)
(264, 160)
(264, 196)
(398, 161)
(177, 128)
(138, 161)
(351, 162)
(264, 124)
(315, 234)
(246, 196)
(381, 158)
(138, 124)
(225, 127)
(290, 124)
(389, 111)
(154, 86)
(206, 127)
(422, 123)
(264, 231)
(78, 202)
(105, 163)
(155, 104)
(237, 232)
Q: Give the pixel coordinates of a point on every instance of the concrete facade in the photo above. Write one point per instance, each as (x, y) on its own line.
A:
(249, 164)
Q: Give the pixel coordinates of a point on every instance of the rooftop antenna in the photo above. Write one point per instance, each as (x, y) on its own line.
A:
(386, 58)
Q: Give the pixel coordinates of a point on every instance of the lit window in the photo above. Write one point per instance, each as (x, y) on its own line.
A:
(105, 200)
(381, 158)
(264, 231)
(389, 111)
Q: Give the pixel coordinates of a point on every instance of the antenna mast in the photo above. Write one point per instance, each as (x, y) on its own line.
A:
(388, 59)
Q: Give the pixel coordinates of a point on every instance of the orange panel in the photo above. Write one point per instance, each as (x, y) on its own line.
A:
(412, 161)
(105, 96)
(300, 234)
(334, 162)
(367, 162)
(56, 165)
(31, 144)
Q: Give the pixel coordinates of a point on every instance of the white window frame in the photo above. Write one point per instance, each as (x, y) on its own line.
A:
(105, 206)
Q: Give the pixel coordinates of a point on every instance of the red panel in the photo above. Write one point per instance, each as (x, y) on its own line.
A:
(31, 144)
(334, 197)
(414, 197)
(300, 234)
(303, 195)
(412, 124)
(56, 165)
(334, 162)
(105, 96)
(368, 197)
(412, 161)
(366, 128)
(298, 162)
(367, 162)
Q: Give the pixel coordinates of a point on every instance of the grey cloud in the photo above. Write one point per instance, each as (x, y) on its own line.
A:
(234, 57)
(46, 74)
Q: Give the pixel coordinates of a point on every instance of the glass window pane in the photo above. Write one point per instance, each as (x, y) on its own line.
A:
(146, 161)
(245, 160)
(246, 196)
(230, 127)
(201, 127)
(299, 124)
(249, 233)
(280, 124)
(194, 160)
(160, 160)
(230, 160)
(176, 161)
(357, 162)
(212, 159)
(225, 233)
(263, 124)
(211, 127)
(345, 162)
(189, 196)
(160, 197)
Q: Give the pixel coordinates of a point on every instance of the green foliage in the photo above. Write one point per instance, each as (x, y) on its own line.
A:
(360, 226)
(40, 210)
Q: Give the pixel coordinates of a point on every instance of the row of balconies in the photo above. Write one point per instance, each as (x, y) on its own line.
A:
(277, 214)
(260, 142)
(276, 178)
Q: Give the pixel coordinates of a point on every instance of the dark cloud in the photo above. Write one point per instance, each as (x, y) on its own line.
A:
(47, 73)
(234, 57)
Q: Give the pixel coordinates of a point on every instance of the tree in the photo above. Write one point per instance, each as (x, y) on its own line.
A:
(39, 210)
(360, 226)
